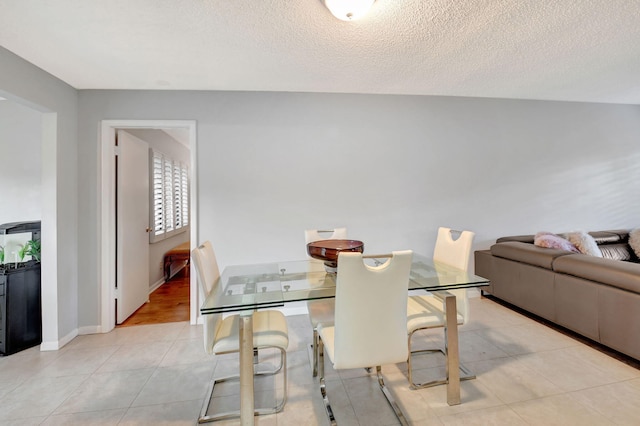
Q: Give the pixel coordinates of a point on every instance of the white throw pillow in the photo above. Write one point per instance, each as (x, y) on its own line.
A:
(634, 241)
(585, 243)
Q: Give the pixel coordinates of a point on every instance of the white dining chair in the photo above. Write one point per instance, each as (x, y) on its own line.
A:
(221, 335)
(425, 312)
(370, 319)
(321, 311)
(311, 235)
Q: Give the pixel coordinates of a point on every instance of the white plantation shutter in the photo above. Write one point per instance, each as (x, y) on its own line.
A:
(169, 196)
(157, 196)
(177, 195)
(184, 180)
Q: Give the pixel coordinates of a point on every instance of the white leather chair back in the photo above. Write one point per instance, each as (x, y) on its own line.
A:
(311, 235)
(209, 272)
(371, 311)
(204, 259)
(456, 253)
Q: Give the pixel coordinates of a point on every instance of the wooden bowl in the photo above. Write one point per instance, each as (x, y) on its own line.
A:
(328, 250)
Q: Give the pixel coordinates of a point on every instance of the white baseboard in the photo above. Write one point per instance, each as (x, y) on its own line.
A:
(156, 285)
(91, 329)
(55, 345)
(49, 346)
(175, 272)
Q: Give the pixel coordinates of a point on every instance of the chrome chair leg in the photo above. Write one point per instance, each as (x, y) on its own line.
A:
(383, 387)
(467, 374)
(323, 389)
(390, 399)
(314, 347)
(204, 418)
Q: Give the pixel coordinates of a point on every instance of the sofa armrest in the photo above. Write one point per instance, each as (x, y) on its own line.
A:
(527, 253)
(616, 273)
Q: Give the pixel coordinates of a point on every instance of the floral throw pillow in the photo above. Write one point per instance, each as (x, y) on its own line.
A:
(634, 241)
(585, 243)
(549, 240)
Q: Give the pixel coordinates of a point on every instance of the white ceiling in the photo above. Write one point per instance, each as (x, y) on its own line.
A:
(575, 50)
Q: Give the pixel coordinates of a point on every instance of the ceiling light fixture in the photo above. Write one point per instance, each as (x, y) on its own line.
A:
(348, 10)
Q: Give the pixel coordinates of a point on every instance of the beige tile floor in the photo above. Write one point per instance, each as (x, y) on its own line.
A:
(527, 374)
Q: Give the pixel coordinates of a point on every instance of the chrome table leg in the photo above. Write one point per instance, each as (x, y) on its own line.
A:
(246, 369)
(453, 354)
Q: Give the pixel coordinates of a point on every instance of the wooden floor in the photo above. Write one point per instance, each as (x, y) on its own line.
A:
(169, 303)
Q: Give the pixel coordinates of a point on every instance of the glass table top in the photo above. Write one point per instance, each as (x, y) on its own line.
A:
(246, 287)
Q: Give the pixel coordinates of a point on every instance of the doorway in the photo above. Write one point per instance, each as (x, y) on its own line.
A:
(168, 303)
(108, 186)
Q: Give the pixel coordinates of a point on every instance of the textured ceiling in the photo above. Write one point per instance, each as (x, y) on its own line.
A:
(576, 50)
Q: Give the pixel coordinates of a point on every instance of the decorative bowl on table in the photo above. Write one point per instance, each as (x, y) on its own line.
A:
(328, 250)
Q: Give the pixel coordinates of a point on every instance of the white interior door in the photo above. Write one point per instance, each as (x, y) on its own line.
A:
(132, 225)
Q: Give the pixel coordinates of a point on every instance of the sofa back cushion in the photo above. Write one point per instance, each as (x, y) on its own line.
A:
(609, 237)
(520, 238)
(527, 253)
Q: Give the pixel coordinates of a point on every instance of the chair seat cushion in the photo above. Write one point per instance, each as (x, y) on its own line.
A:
(269, 330)
(425, 312)
(321, 311)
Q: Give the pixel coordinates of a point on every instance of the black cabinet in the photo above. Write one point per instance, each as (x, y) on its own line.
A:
(20, 295)
(20, 309)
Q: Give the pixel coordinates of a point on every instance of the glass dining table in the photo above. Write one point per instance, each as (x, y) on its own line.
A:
(246, 288)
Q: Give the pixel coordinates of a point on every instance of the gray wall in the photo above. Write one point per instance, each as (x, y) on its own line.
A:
(20, 163)
(390, 168)
(159, 140)
(26, 84)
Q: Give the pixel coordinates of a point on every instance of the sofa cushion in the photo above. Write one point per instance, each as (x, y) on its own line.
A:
(549, 240)
(624, 275)
(527, 253)
(584, 243)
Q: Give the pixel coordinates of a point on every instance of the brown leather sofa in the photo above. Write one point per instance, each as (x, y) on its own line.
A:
(598, 298)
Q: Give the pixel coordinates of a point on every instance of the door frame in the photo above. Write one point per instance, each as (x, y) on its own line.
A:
(106, 210)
